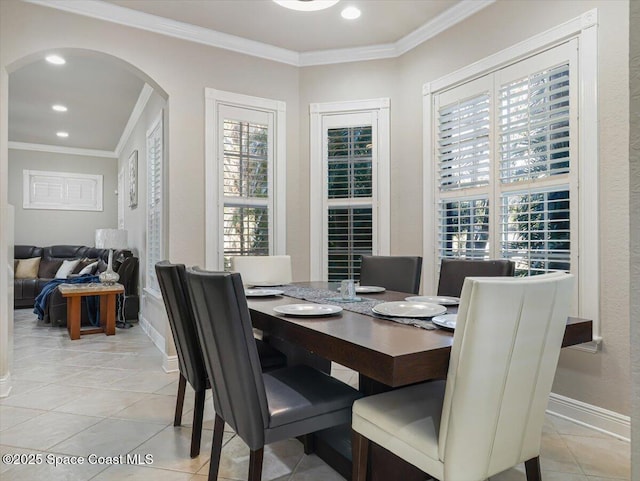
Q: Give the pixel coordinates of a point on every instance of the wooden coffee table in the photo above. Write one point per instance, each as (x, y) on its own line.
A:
(107, 293)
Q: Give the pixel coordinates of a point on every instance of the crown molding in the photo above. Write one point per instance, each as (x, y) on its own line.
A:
(439, 24)
(143, 98)
(172, 28)
(153, 23)
(56, 149)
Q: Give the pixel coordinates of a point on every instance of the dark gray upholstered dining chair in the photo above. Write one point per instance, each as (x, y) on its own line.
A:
(454, 271)
(262, 408)
(173, 285)
(396, 273)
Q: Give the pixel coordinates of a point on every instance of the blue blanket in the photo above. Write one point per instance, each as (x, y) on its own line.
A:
(93, 303)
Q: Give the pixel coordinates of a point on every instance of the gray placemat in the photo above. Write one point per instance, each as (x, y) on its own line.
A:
(363, 306)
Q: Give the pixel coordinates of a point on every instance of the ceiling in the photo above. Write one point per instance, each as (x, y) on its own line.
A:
(101, 94)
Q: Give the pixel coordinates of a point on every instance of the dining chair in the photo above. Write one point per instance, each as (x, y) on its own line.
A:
(396, 273)
(263, 270)
(261, 407)
(173, 286)
(454, 271)
(488, 415)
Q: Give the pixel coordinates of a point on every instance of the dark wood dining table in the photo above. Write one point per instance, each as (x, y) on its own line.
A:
(386, 355)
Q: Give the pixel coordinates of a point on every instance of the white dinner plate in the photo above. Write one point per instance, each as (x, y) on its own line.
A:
(408, 309)
(448, 321)
(265, 284)
(442, 300)
(369, 289)
(262, 292)
(308, 309)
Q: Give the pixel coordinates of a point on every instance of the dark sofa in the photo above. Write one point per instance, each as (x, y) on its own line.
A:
(26, 290)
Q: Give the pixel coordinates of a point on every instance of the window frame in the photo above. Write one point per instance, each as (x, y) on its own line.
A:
(214, 165)
(585, 30)
(327, 115)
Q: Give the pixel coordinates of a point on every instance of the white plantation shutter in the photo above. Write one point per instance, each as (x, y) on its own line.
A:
(154, 254)
(349, 202)
(505, 174)
(247, 171)
(463, 143)
(534, 125)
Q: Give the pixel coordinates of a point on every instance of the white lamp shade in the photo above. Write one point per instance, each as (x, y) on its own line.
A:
(111, 239)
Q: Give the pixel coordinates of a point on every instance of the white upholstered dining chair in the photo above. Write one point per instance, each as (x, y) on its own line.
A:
(263, 270)
(488, 414)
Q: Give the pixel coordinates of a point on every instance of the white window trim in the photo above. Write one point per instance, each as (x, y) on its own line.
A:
(163, 210)
(317, 174)
(29, 202)
(585, 29)
(214, 234)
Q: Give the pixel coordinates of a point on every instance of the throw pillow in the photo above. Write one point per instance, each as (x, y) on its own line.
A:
(88, 269)
(27, 268)
(48, 268)
(83, 263)
(66, 268)
(102, 266)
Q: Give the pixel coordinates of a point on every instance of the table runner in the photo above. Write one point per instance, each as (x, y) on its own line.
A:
(325, 296)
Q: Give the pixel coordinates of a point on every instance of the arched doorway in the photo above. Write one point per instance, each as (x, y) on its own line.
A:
(90, 87)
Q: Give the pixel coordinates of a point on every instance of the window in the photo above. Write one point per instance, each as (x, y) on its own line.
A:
(512, 168)
(155, 248)
(350, 206)
(61, 190)
(245, 166)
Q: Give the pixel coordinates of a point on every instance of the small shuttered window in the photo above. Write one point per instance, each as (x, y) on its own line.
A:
(245, 189)
(349, 179)
(154, 251)
(505, 175)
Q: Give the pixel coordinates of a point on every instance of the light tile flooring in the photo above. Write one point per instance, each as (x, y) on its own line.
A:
(108, 396)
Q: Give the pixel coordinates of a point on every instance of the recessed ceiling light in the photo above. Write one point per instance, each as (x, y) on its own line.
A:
(55, 59)
(59, 108)
(351, 13)
(64, 135)
(306, 5)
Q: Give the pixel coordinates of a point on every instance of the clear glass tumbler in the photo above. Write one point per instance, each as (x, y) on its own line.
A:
(348, 289)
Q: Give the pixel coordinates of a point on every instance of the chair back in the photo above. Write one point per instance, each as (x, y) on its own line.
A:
(505, 351)
(263, 270)
(230, 353)
(396, 273)
(173, 286)
(454, 271)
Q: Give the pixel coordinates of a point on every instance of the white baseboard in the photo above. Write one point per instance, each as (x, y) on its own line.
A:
(593, 417)
(5, 386)
(169, 363)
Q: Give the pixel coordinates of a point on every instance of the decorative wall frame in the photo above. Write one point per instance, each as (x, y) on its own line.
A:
(133, 179)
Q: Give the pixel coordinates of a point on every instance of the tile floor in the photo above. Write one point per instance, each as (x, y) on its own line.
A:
(108, 396)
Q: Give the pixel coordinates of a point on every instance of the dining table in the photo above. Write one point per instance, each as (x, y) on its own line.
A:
(385, 354)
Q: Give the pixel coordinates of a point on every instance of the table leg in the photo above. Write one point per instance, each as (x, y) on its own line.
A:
(73, 317)
(110, 314)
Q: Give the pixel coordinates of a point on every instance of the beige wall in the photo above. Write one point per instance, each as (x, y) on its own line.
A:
(184, 69)
(43, 227)
(634, 206)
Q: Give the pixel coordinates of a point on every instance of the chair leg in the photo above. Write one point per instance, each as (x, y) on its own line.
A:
(255, 464)
(182, 386)
(532, 467)
(360, 455)
(309, 443)
(216, 448)
(196, 431)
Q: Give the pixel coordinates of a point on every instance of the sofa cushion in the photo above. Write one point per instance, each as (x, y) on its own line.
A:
(82, 264)
(89, 269)
(48, 268)
(67, 268)
(27, 268)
